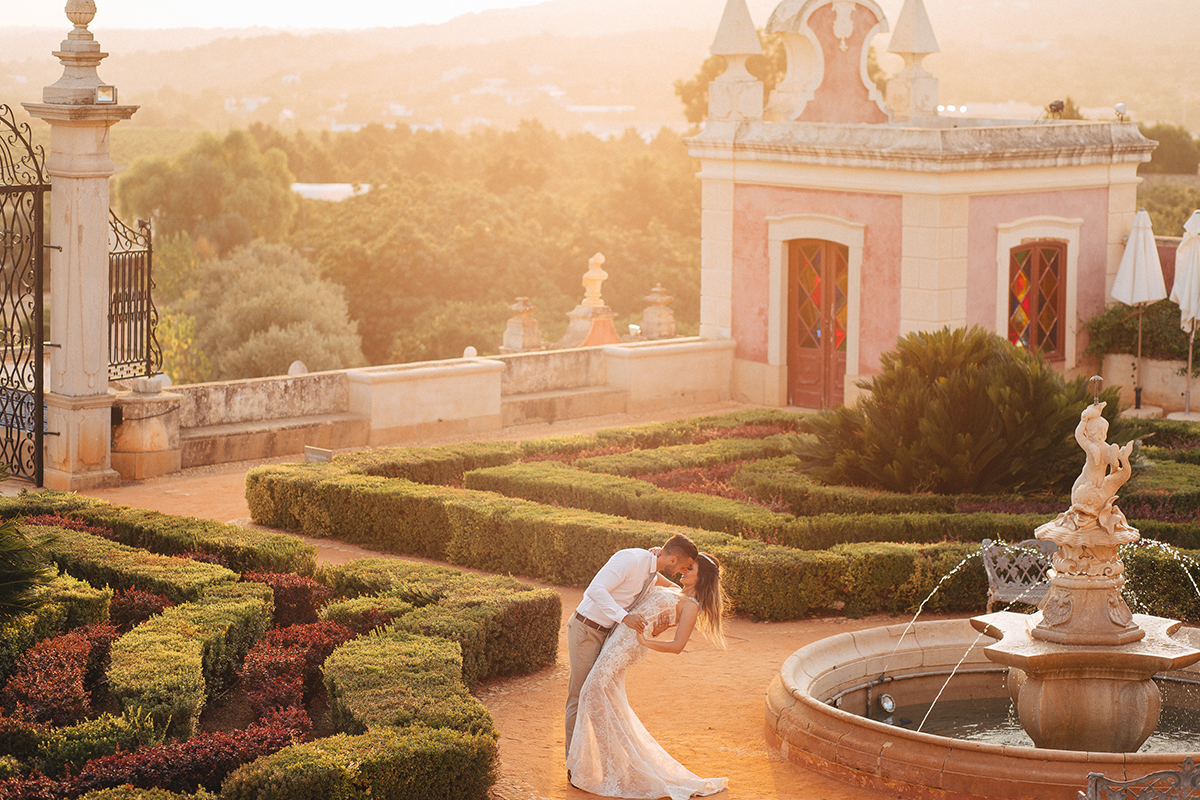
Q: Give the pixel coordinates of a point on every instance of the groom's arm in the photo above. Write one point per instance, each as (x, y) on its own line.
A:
(621, 567)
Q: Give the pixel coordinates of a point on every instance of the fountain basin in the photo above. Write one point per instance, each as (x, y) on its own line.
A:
(807, 730)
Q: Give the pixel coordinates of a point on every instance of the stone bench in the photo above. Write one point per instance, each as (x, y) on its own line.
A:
(1017, 573)
(244, 441)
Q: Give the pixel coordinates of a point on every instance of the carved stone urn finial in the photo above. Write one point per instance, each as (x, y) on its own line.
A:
(81, 13)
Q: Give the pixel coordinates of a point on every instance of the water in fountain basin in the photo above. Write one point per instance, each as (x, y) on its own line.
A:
(993, 720)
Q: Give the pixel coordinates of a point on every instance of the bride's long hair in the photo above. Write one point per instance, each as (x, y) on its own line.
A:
(712, 601)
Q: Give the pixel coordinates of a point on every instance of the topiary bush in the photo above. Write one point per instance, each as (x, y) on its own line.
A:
(956, 412)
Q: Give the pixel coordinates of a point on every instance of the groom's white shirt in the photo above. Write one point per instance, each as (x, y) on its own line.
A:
(616, 585)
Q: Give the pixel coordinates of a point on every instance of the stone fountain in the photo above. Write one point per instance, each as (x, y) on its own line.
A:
(1081, 670)
(1081, 673)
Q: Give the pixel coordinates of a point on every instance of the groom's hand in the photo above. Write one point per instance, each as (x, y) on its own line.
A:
(635, 621)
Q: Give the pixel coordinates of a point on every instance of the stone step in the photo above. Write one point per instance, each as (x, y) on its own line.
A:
(218, 444)
(589, 401)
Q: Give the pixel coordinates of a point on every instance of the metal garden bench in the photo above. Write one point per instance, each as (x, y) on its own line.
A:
(1017, 572)
(1168, 784)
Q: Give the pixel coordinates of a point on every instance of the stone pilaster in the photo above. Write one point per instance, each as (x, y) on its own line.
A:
(79, 407)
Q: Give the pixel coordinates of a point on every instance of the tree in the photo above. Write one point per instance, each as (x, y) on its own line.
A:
(24, 567)
(1177, 152)
(770, 68)
(263, 307)
(1169, 204)
(226, 191)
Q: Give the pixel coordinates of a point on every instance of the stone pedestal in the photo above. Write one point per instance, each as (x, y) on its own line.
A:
(522, 333)
(658, 321)
(1073, 697)
(591, 323)
(77, 449)
(146, 442)
(590, 327)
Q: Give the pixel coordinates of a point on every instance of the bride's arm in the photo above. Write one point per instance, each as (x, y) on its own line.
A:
(687, 622)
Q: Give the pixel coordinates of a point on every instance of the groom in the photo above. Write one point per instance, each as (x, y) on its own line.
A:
(617, 587)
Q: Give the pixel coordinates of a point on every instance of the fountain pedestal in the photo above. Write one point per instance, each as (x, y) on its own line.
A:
(1086, 663)
(1079, 697)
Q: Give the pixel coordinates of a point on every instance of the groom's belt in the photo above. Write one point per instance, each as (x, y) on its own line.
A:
(592, 623)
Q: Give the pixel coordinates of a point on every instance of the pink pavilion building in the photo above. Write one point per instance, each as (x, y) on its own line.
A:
(837, 218)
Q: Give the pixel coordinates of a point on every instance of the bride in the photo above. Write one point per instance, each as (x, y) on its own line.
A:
(612, 754)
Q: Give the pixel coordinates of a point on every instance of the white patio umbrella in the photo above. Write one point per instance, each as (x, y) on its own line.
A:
(1139, 281)
(1186, 291)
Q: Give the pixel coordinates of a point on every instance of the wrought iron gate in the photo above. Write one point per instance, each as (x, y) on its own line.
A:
(23, 193)
(133, 348)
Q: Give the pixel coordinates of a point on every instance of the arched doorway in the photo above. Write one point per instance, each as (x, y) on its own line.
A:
(818, 292)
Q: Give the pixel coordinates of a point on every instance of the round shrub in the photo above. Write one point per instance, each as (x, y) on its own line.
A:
(297, 598)
(955, 412)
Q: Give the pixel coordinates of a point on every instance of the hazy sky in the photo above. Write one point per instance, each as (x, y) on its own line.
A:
(243, 13)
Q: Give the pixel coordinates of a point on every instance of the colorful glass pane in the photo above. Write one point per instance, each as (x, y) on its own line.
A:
(809, 310)
(841, 313)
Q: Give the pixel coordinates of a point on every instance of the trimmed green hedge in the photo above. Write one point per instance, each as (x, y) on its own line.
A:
(502, 626)
(394, 679)
(684, 431)
(67, 603)
(75, 745)
(431, 465)
(562, 545)
(413, 763)
(446, 464)
(171, 663)
(101, 562)
(709, 454)
(241, 548)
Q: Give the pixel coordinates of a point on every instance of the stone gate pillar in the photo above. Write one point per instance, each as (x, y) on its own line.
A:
(80, 109)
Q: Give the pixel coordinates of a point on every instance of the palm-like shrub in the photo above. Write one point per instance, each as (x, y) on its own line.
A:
(24, 567)
(957, 411)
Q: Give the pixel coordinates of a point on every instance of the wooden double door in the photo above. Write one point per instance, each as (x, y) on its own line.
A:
(818, 288)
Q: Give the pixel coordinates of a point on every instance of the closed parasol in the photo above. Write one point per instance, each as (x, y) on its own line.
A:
(1139, 281)
(1186, 291)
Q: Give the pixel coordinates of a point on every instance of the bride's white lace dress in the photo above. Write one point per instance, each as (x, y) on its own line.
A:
(612, 753)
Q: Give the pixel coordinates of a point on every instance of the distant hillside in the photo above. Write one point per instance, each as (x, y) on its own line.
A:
(605, 64)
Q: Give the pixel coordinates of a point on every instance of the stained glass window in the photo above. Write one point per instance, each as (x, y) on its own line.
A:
(1036, 297)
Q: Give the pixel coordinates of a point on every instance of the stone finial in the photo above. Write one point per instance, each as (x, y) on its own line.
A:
(913, 33)
(913, 92)
(658, 321)
(522, 332)
(80, 55)
(736, 94)
(592, 280)
(736, 35)
(591, 322)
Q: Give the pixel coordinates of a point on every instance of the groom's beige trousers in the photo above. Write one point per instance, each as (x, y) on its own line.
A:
(583, 647)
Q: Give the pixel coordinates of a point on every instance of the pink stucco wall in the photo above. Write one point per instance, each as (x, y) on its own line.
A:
(988, 211)
(880, 317)
(842, 95)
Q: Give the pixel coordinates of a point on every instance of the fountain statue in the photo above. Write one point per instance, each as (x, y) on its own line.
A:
(1081, 669)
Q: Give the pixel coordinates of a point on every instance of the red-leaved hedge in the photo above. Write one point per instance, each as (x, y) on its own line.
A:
(297, 598)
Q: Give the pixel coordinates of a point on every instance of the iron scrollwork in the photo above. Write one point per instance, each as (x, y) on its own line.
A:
(23, 189)
(133, 344)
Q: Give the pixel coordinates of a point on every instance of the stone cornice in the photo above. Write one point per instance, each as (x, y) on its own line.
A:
(893, 147)
(86, 114)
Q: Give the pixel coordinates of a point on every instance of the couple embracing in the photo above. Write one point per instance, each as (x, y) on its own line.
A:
(609, 751)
